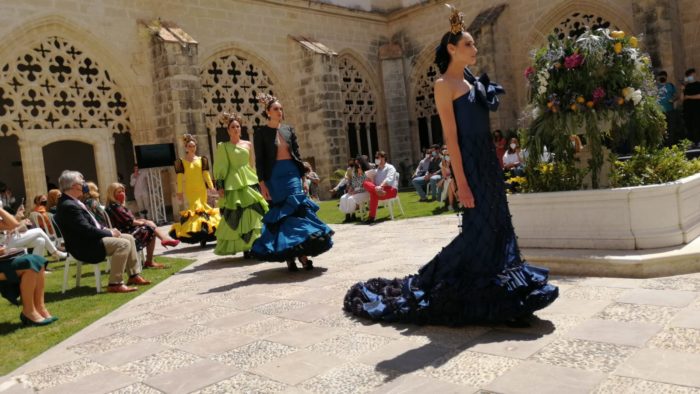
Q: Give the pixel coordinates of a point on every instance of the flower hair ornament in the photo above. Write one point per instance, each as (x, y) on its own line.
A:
(187, 137)
(456, 20)
(266, 99)
(227, 117)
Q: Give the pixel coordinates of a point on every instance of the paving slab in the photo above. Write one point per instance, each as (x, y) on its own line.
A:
(674, 298)
(665, 366)
(620, 333)
(530, 377)
(192, 377)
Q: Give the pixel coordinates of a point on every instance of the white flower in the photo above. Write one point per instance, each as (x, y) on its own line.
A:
(627, 93)
(536, 112)
(542, 89)
(637, 96)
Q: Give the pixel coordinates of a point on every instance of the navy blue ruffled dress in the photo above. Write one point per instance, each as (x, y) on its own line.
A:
(480, 276)
(290, 228)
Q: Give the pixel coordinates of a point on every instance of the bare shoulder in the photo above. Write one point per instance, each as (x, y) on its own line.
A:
(245, 143)
(442, 88)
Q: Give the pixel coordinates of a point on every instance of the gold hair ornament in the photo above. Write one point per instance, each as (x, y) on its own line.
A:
(228, 117)
(187, 137)
(456, 20)
(266, 99)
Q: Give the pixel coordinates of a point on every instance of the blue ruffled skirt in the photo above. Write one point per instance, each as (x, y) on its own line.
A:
(290, 228)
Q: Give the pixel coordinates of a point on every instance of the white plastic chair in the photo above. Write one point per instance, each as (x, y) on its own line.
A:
(78, 268)
(40, 221)
(140, 256)
(389, 203)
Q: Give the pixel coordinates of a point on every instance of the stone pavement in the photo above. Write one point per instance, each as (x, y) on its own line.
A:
(231, 325)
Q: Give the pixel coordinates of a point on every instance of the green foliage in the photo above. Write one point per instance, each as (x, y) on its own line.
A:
(554, 177)
(77, 308)
(653, 166)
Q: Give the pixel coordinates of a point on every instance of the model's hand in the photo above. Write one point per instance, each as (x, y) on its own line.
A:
(265, 193)
(220, 192)
(465, 196)
(116, 233)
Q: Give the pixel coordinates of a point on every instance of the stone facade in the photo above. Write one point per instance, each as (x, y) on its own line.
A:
(165, 88)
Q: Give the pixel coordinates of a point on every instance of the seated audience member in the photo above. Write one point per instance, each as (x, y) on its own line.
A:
(40, 203)
(340, 188)
(7, 200)
(432, 176)
(144, 231)
(513, 160)
(52, 200)
(355, 193)
(448, 187)
(382, 186)
(91, 243)
(23, 277)
(20, 237)
(91, 199)
(311, 181)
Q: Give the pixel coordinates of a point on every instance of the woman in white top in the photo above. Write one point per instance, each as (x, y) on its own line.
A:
(513, 160)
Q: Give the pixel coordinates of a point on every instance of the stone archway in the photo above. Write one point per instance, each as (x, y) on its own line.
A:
(32, 152)
(427, 129)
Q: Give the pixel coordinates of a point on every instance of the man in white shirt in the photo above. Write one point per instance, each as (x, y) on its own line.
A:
(383, 186)
(140, 185)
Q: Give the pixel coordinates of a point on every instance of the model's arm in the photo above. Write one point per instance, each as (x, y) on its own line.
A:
(8, 222)
(443, 102)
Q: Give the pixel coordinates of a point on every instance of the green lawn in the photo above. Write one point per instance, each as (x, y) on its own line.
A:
(77, 308)
(330, 213)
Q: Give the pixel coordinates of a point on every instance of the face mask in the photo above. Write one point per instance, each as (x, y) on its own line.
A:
(44, 203)
(85, 188)
(662, 80)
(121, 197)
(377, 161)
(433, 154)
(690, 79)
(513, 146)
(447, 157)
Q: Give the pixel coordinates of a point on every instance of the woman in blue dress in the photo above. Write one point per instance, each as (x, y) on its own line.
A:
(480, 276)
(291, 230)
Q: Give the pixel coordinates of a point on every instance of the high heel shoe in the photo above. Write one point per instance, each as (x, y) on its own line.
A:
(291, 265)
(29, 322)
(170, 242)
(307, 264)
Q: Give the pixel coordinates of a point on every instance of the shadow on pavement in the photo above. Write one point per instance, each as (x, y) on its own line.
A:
(272, 276)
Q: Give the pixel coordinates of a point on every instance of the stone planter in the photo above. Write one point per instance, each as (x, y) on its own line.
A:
(642, 217)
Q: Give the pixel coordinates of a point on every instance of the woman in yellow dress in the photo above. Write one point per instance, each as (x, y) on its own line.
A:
(199, 222)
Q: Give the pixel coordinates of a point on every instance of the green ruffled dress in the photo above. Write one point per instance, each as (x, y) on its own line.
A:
(242, 206)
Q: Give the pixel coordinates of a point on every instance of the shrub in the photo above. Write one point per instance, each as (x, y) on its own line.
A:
(652, 166)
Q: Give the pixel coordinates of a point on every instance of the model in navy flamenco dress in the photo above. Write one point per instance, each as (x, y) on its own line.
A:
(480, 276)
(290, 230)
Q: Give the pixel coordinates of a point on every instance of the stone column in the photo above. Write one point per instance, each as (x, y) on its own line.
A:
(320, 111)
(659, 22)
(393, 76)
(177, 97)
(32, 168)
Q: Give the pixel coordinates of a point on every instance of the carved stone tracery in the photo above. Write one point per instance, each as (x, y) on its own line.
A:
(55, 85)
(359, 109)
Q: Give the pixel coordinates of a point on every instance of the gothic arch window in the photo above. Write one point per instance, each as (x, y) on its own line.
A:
(231, 83)
(359, 110)
(56, 85)
(429, 127)
(577, 23)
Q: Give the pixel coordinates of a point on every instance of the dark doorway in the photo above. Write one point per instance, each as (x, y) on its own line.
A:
(11, 168)
(69, 155)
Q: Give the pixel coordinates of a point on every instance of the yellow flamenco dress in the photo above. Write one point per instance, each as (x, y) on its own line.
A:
(199, 222)
(242, 206)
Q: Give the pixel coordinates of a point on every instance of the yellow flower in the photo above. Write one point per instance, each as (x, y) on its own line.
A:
(618, 47)
(580, 100)
(633, 42)
(645, 60)
(590, 104)
(574, 107)
(550, 104)
(617, 34)
(620, 101)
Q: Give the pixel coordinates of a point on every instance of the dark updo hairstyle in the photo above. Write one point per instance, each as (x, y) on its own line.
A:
(442, 57)
(267, 100)
(364, 163)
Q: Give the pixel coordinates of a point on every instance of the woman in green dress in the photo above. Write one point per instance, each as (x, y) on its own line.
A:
(241, 204)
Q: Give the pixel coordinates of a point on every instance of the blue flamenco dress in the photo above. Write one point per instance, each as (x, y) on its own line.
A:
(290, 228)
(479, 277)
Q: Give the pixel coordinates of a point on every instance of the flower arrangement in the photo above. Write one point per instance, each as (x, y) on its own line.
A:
(599, 85)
